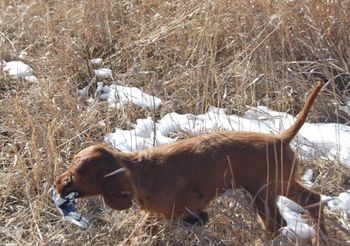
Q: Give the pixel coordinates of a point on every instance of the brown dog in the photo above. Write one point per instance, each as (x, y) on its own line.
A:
(178, 180)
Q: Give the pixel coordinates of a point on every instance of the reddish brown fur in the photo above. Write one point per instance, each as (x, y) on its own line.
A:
(174, 179)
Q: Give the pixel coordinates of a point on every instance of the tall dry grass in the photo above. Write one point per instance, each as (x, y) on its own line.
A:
(226, 53)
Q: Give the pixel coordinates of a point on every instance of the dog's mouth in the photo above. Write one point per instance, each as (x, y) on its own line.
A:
(65, 206)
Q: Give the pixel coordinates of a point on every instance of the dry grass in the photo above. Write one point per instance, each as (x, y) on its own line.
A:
(192, 55)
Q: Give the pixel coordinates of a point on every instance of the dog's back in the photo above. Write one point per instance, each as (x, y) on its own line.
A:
(230, 150)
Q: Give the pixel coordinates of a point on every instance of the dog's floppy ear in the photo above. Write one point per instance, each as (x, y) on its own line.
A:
(114, 192)
(118, 201)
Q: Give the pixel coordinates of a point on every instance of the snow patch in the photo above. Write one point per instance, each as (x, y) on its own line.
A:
(306, 179)
(103, 73)
(96, 61)
(340, 203)
(297, 227)
(143, 136)
(19, 70)
(117, 95)
(346, 107)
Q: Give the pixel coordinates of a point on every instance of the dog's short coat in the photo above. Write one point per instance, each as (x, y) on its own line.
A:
(178, 180)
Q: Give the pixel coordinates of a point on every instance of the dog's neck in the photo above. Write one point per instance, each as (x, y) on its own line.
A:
(131, 167)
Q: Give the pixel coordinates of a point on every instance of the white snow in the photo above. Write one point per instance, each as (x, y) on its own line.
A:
(83, 93)
(306, 179)
(18, 69)
(346, 107)
(313, 141)
(118, 95)
(103, 73)
(31, 79)
(142, 137)
(96, 61)
(340, 203)
(297, 227)
(23, 55)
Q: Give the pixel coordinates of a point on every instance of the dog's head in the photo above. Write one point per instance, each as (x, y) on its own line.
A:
(86, 176)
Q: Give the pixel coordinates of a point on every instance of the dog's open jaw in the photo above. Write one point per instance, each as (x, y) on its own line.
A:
(65, 206)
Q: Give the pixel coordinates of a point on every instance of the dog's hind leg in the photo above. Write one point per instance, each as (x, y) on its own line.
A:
(269, 213)
(310, 201)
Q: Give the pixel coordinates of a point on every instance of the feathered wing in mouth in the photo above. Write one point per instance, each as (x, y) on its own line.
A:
(65, 206)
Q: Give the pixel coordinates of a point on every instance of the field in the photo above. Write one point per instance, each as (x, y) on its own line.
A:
(192, 55)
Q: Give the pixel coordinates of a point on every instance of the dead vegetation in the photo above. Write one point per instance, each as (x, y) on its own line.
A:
(194, 54)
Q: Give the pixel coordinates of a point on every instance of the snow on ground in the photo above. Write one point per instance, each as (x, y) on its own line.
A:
(96, 61)
(339, 205)
(297, 226)
(103, 73)
(306, 179)
(117, 95)
(330, 141)
(18, 69)
(346, 106)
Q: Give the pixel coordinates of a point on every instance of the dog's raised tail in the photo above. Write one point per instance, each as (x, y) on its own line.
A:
(290, 133)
